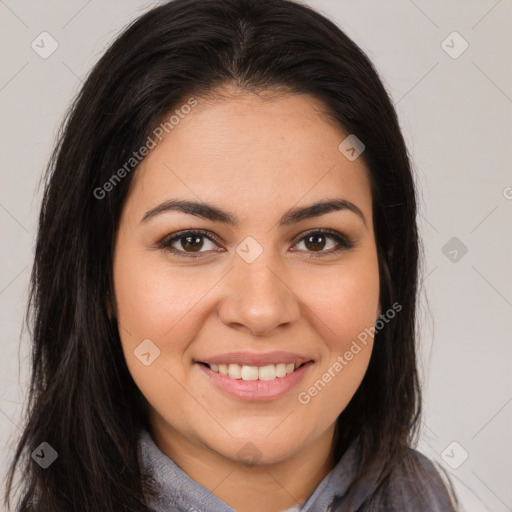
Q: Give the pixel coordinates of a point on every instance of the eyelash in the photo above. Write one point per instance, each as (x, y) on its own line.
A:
(343, 243)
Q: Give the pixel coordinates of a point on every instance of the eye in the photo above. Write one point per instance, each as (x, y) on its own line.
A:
(186, 241)
(189, 243)
(315, 242)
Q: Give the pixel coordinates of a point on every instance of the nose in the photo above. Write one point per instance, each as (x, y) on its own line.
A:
(257, 297)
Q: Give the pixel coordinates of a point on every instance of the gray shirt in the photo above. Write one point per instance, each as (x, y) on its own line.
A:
(177, 492)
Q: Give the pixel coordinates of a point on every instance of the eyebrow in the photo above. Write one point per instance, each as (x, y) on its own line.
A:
(213, 213)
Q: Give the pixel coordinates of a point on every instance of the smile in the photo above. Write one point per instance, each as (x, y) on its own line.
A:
(246, 372)
(255, 383)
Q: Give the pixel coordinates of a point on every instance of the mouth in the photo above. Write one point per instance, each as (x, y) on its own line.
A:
(268, 372)
(249, 382)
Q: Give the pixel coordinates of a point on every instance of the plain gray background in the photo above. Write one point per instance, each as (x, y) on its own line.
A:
(455, 112)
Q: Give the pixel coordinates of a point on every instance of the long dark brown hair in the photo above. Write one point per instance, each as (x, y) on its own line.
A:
(82, 399)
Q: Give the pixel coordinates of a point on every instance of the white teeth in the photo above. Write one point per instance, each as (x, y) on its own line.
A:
(244, 372)
(235, 371)
(281, 370)
(267, 372)
(249, 372)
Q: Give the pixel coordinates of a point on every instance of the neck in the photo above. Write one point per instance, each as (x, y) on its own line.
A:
(248, 488)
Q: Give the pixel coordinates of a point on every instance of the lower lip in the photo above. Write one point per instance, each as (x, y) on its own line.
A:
(257, 389)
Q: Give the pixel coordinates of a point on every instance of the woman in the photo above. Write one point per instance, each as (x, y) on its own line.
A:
(225, 278)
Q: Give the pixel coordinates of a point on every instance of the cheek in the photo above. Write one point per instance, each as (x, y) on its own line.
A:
(346, 307)
(162, 303)
(153, 301)
(353, 305)
(346, 299)
(157, 304)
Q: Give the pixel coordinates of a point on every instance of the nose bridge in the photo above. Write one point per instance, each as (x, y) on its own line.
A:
(257, 294)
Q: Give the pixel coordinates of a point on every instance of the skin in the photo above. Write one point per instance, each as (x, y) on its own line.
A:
(256, 155)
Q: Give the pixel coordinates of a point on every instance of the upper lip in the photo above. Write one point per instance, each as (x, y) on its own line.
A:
(255, 359)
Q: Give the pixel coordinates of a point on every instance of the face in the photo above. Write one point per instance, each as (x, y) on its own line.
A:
(257, 284)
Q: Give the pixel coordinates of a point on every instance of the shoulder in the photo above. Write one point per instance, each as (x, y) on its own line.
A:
(411, 484)
(415, 484)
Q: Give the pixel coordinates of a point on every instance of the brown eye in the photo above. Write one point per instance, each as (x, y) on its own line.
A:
(186, 243)
(192, 243)
(316, 241)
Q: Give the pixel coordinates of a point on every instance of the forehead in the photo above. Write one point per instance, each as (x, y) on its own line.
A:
(252, 152)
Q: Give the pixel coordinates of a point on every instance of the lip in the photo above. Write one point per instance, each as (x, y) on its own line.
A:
(255, 359)
(256, 390)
